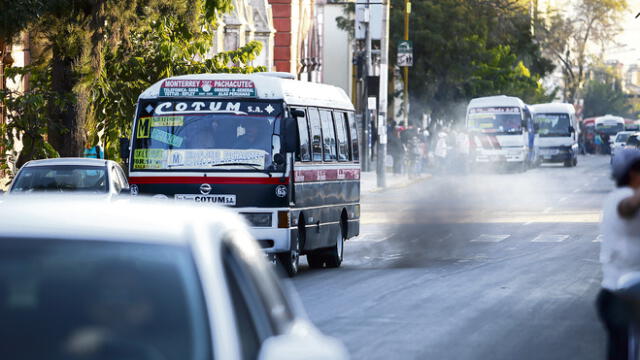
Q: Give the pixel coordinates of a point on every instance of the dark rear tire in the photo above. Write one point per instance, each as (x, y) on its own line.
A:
(335, 254)
(316, 260)
(568, 163)
(575, 161)
(290, 260)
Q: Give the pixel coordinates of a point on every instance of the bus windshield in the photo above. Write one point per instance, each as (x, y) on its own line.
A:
(495, 120)
(197, 134)
(553, 124)
(609, 127)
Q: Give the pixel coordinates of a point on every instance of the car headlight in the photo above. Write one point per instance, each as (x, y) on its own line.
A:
(258, 219)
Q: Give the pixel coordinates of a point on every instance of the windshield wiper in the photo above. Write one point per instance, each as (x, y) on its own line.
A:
(253, 166)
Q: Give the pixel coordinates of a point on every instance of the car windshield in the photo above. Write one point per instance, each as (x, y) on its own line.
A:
(62, 178)
(553, 124)
(206, 134)
(495, 120)
(622, 138)
(99, 300)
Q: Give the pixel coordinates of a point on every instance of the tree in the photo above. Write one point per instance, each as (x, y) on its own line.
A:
(603, 94)
(568, 39)
(85, 43)
(469, 48)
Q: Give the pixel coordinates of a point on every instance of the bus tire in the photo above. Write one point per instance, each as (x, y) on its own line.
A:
(290, 260)
(335, 254)
(316, 260)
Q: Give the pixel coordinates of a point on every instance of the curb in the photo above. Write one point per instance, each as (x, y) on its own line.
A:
(401, 185)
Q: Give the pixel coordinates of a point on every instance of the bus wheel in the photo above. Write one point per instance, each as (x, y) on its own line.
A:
(316, 260)
(290, 260)
(335, 254)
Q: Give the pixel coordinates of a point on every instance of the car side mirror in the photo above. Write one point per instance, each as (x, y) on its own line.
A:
(313, 347)
(124, 149)
(290, 135)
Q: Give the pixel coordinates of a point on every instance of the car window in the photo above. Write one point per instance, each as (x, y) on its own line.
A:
(62, 178)
(316, 134)
(123, 178)
(115, 180)
(252, 320)
(303, 133)
(134, 301)
(329, 136)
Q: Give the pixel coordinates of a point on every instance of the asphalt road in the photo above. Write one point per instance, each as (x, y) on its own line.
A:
(484, 266)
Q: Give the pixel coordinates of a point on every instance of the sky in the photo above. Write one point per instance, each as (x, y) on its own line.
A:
(629, 37)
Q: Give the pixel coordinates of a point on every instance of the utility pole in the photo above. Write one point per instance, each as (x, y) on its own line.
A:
(407, 11)
(382, 99)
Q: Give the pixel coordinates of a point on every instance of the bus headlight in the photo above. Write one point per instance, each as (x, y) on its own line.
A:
(258, 219)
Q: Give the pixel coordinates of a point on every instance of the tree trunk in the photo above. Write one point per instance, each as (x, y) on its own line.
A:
(66, 131)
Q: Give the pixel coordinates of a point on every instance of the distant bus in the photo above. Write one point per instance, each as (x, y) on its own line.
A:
(500, 130)
(281, 152)
(609, 124)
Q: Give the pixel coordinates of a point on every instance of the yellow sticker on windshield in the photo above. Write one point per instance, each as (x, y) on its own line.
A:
(143, 128)
(149, 158)
(157, 121)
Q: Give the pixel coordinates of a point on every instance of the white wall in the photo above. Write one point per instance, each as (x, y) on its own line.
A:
(336, 50)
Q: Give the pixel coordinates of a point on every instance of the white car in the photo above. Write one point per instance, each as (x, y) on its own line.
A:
(620, 140)
(143, 279)
(70, 175)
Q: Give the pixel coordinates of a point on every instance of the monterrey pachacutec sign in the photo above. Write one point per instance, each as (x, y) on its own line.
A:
(213, 88)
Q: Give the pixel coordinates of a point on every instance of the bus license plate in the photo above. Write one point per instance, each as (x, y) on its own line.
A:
(229, 200)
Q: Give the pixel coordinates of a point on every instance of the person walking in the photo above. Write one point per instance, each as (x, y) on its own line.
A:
(598, 141)
(620, 249)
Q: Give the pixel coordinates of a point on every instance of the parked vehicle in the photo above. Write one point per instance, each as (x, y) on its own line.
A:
(499, 130)
(81, 279)
(556, 133)
(283, 153)
(70, 175)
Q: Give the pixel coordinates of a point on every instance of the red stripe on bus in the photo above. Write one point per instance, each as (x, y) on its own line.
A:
(203, 180)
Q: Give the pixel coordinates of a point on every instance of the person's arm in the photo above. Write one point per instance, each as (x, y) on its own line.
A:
(628, 207)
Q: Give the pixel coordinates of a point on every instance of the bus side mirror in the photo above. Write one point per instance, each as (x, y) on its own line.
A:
(124, 149)
(572, 129)
(290, 135)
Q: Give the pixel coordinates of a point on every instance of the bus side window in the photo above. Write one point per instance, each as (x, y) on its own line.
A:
(303, 132)
(353, 135)
(341, 136)
(316, 134)
(329, 136)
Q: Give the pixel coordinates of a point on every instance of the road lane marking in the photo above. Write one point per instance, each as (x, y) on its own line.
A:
(598, 239)
(550, 238)
(527, 223)
(371, 237)
(547, 210)
(490, 238)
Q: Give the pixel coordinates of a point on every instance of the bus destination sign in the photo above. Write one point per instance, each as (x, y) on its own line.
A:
(208, 88)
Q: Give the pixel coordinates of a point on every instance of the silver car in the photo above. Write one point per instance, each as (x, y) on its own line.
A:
(144, 279)
(70, 175)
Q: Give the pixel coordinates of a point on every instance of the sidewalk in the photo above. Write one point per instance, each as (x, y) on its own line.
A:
(369, 183)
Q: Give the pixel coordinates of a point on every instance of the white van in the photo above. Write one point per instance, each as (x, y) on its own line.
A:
(499, 130)
(556, 133)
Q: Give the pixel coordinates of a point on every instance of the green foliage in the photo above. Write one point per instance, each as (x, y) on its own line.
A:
(468, 48)
(26, 115)
(601, 98)
(98, 56)
(165, 49)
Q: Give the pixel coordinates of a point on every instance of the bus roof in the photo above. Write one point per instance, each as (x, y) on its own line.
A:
(554, 108)
(609, 118)
(500, 100)
(273, 86)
